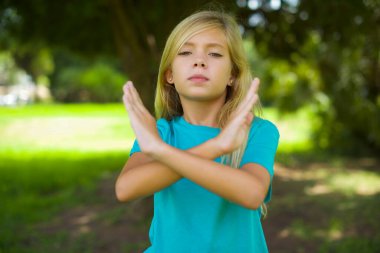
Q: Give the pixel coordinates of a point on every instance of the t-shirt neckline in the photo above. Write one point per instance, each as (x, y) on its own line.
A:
(181, 120)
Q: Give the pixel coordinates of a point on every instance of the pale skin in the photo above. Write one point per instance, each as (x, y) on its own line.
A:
(157, 166)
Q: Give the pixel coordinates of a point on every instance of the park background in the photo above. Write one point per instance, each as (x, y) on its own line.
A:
(64, 133)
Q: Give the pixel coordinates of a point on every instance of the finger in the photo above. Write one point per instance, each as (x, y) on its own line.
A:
(136, 100)
(242, 105)
(133, 114)
(127, 92)
(246, 105)
(129, 101)
(250, 98)
(248, 118)
(132, 101)
(251, 91)
(135, 94)
(127, 96)
(255, 84)
(245, 115)
(126, 86)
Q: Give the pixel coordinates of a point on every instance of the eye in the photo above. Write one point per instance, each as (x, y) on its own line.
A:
(215, 54)
(184, 53)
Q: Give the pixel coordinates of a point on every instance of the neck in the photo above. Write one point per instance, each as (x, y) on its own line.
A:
(203, 113)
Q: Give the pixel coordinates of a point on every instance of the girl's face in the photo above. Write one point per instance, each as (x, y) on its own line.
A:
(202, 68)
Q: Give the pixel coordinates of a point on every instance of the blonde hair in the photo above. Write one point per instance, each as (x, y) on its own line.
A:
(167, 101)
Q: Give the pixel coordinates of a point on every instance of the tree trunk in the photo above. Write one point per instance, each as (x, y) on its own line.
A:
(140, 29)
(136, 53)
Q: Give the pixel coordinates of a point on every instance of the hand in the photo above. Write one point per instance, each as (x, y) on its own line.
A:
(236, 130)
(143, 123)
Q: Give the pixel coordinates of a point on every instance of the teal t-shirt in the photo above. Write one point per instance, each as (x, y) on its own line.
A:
(188, 218)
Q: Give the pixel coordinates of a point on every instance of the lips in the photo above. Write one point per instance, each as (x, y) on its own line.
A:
(198, 78)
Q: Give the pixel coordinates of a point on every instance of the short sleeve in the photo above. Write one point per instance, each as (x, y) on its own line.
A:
(163, 128)
(135, 148)
(261, 147)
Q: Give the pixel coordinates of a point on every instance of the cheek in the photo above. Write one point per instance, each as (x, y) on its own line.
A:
(227, 71)
(176, 70)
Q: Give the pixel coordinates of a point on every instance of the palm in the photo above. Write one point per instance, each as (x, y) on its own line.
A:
(143, 123)
(235, 132)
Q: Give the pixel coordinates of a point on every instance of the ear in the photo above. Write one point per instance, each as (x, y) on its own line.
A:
(231, 81)
(169, 76)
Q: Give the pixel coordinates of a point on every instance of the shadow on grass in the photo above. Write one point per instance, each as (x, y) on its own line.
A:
(65, 202)
(324, 203)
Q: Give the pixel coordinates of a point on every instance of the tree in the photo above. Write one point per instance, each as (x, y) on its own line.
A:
(133, 31)
(335, 59)
(341, 41)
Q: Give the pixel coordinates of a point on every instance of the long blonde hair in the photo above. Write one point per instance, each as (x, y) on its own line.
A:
(167, 101)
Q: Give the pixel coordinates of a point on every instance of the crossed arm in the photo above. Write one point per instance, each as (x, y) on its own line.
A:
(158, 166)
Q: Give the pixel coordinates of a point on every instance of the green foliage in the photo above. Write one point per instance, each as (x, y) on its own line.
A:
(99, 82)
(303, 53)
(309, 56)
(8, 69)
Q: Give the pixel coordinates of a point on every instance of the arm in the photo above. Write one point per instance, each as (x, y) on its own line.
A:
(142, 176)
(246, 187)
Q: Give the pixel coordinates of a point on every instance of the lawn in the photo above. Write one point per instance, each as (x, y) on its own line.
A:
(58, 164)
(52, 158)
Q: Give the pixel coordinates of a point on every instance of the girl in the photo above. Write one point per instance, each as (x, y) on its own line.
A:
(208, 160)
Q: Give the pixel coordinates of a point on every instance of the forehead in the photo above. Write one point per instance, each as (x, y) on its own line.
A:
(211, 37)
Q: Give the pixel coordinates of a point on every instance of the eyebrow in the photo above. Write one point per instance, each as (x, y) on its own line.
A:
(213, 44)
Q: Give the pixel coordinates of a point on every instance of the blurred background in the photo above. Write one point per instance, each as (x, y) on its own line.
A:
(64, 133)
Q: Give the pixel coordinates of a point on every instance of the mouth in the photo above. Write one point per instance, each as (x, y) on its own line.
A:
(198, 78)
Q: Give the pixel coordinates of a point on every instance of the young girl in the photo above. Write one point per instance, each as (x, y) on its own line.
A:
(208, 160)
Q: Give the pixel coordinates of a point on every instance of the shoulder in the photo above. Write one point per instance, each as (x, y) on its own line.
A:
(262, 144)
(163, 123)
(264, 127)
(165, 128)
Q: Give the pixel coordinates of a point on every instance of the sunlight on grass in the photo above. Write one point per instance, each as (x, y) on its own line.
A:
(68, 133)
(355, 182)
(333, 179)
(61, 128)
(295, 129)
(347, 182)
(106, 127)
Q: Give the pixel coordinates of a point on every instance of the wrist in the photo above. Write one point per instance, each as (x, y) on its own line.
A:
(219, 146)
(160, 150)
(152, 147)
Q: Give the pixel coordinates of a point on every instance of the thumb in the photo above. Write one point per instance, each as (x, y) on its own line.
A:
(249, 118)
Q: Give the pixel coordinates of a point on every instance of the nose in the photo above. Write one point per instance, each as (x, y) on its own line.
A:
(200, 62)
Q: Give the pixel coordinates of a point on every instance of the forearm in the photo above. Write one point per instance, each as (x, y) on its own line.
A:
(145, 179)
(236, 185)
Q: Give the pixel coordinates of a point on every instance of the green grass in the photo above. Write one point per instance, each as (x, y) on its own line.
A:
(65, 127)
(51, 153)
(53, 157)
